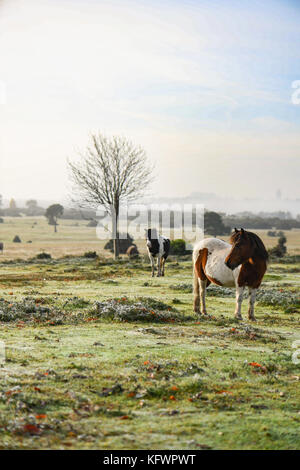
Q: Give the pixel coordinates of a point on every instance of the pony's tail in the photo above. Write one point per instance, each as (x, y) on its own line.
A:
(196, 287)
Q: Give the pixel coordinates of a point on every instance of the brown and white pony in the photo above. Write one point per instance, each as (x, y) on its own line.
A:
(240, 263)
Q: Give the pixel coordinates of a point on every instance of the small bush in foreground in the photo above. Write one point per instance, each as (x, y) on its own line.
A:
(76, 310)
(139, 310)
(278, 298)
(29, 310)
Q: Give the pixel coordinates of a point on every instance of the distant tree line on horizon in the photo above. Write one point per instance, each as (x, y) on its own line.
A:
(256, 222)
(216, 223)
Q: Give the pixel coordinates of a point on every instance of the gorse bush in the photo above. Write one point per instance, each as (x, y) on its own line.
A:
(77, 310)
(90, 254)
(139, 310)
(28, 311)
(279, 250)
(43, 256)
(177, 247)
(278, 298)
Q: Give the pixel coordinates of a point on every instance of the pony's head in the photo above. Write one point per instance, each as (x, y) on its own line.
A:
(151, 234)
(151, 237)
(245, 245)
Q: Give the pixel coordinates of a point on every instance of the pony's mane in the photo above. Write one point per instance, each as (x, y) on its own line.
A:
(260, 249)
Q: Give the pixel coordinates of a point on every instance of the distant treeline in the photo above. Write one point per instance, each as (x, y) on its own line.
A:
(35, 211)
(216, 221)
(256, 222)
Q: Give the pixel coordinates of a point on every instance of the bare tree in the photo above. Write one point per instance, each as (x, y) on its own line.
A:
(111, 171)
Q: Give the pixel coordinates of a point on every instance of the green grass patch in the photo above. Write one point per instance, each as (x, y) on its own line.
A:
(89, 366)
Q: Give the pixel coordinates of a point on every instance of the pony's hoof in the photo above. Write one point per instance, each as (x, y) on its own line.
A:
(252, 318)
(239, 317)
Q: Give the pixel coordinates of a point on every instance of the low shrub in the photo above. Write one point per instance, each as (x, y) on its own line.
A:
(177, 247)
(139, 310)
(77, 310)
(279, 250)
(279, 298)
(28, 311)
(90, 254)
(43, 255)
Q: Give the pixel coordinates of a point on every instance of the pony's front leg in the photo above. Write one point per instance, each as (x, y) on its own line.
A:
(158, 266)
(162, 264)
(152, 265)
(239, 300)
(252, 297)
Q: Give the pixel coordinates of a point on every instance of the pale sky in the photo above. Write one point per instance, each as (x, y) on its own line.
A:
(204, 86)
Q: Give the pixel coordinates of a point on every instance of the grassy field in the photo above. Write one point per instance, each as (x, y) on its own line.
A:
(75, 238)
(101, 356)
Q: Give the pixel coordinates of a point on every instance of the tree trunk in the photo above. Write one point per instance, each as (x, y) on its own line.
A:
(115, 217)
(116, 246)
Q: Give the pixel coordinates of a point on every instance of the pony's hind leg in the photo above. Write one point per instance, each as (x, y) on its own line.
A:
(200, 283)
(203, 285)
(252, 297)
(158, 266)
(196, 293)
(239, 300)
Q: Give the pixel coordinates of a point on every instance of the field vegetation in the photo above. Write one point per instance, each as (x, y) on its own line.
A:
(100, 356)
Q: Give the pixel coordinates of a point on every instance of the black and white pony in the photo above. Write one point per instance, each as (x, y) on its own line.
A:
(159, 246)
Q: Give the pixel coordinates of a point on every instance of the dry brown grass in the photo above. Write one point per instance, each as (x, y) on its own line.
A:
(75, 238)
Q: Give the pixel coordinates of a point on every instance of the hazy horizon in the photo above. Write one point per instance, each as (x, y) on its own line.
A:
(211, 202)
(204, 86)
